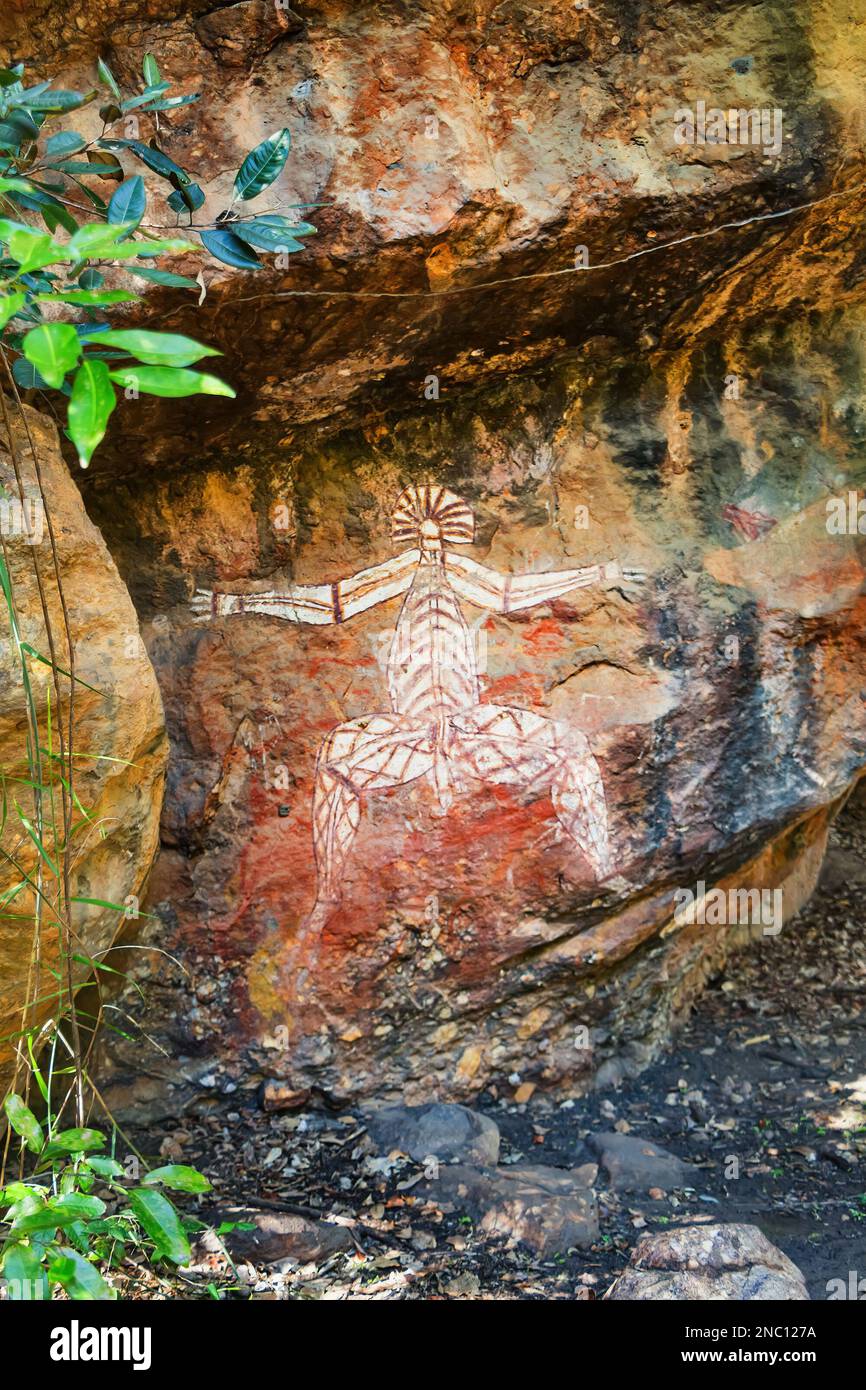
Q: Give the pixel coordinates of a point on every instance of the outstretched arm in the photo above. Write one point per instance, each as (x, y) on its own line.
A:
(508, 593)
(315, 603)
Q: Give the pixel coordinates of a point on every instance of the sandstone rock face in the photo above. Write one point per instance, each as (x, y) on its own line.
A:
(119, 729)
(684, 409)
(710, 1263)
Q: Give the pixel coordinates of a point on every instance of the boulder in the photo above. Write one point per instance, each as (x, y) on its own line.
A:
(119, 733)
(550, 1210)
(451, 1133)
(631, 1164)
(709, 1263)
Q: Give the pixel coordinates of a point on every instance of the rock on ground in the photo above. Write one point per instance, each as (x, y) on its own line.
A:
(709, 1263)
(631, 1164)
(550, 1210)
(451, 1133)
(280, 1236)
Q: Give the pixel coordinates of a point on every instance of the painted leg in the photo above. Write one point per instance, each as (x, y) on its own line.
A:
(517, 747)
(363, 755)
(578, 799)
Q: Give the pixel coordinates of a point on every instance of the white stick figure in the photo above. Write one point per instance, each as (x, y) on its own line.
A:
(438, 726)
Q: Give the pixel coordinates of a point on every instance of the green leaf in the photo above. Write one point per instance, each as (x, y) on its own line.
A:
(27, 377)
(101, 241)
(269, 238)
(225, 246)
(8, 226)
(157, 349)
(105, 1167)
(147, 95)
(271, 222)
(102, 165)
(97, 239)
(77, 1206)
(80, 1279)
(24, 1123)
(33, 250)
(187, 199)
(17, 1191)
(54, 214)
(89, 297)
(150, 71)
(73, 1141)
(161, 1222)
(25, 1278)
(157, 161)
(262, 165)
(180, 1177)
(163, 277)
(107, 77)
(169, 103)
(18, 126)
(128, 202)
(170, 381)
(54, 101)
(64, 142)
(9, 306)
(53, 349)
(59, 1211)
(25, 96)
(18, 185)
(35, 837)
(90, 406)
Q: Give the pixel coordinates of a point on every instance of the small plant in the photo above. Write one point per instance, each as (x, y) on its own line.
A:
(56, 1231)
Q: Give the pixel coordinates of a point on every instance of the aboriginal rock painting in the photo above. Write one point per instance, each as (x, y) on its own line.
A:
(438, 725)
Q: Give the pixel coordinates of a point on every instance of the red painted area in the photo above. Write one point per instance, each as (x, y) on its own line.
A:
(267, 699)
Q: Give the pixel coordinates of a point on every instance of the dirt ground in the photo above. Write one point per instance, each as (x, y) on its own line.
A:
(764, 1089)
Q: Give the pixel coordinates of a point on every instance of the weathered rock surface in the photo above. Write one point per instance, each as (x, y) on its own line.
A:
(551, 1210)
(710, 1263)
(278, 1236)
(688, 412)
(630, 1164)
(451, 1133)
(119, 734)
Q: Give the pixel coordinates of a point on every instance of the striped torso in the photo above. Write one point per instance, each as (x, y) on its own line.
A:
(431, 666)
